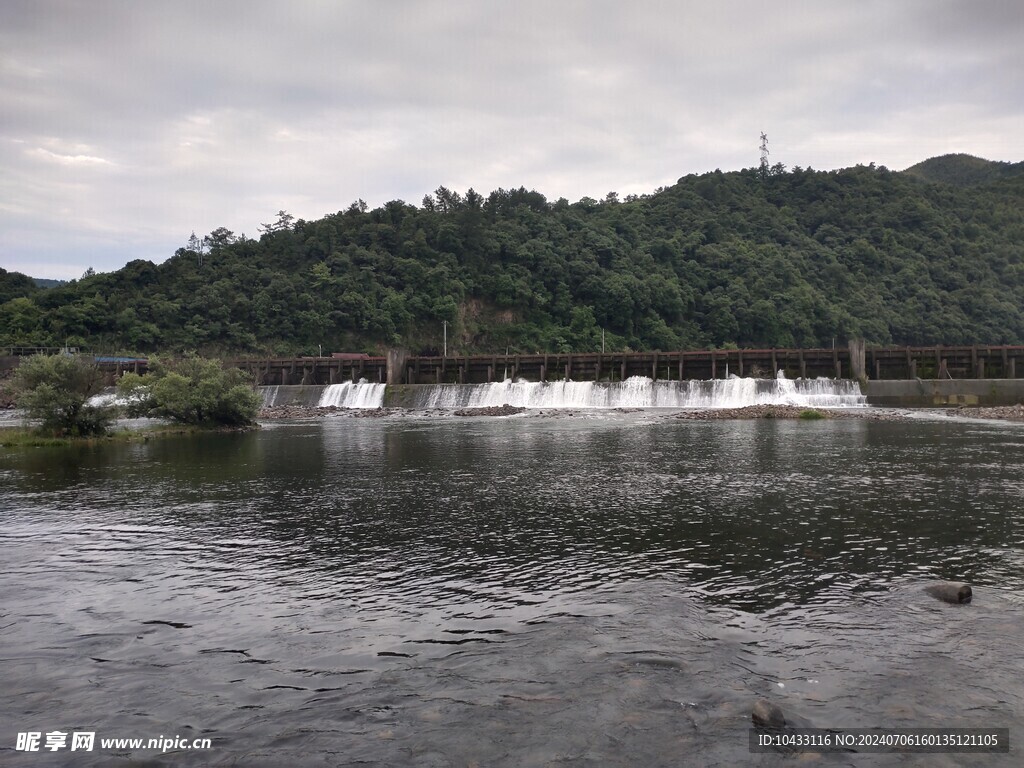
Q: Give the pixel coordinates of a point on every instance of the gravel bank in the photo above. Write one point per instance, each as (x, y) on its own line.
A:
(1006, 412)
(790, 412)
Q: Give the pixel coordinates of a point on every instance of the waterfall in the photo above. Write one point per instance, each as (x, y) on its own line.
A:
(269, 395)
(349, 395)
(642, 392)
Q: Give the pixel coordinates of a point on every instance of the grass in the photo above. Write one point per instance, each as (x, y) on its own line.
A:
(25, 438)
(30, 438)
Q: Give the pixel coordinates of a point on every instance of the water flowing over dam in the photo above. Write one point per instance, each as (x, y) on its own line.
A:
(361, 394)
(634, 392)
(642, 392)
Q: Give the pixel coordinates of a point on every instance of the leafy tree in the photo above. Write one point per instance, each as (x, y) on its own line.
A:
(14, 285)
(192, 391)
(219, 238)
(57, 389)
(284, 222)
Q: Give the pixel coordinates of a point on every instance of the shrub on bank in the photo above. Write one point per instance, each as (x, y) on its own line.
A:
(193, 390)
(811, 415)
(56, 391)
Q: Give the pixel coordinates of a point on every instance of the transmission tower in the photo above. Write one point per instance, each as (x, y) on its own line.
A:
(764, 155)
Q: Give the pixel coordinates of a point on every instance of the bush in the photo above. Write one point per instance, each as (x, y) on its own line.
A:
(193, 390)
(56, 390)
(812, 415)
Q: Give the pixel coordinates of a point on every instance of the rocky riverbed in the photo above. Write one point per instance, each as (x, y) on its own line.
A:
(1006, 412)
(276, 412)
(311, 412)
(494, 410)
(790, 412)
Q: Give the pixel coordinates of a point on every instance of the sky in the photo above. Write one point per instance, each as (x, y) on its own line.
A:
(125, 126)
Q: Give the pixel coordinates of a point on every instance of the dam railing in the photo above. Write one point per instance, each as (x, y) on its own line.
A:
(851, 362)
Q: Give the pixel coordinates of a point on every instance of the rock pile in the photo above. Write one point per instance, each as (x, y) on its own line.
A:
(789, 412)
(311, 411)
(493, 410)
(1007, 412)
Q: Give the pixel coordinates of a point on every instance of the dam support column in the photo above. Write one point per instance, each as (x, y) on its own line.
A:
(858, 367)
(396, 366)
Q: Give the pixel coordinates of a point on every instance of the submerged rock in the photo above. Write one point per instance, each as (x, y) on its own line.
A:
(951, 592)
(764, 714)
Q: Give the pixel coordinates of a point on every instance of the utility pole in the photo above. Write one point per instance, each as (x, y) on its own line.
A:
(445, 337)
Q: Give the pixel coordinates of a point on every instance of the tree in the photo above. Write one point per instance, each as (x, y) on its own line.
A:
(197, 246)
(14, 285)
(57, 390)
(284, 221)
(193, 390)
(219, 238)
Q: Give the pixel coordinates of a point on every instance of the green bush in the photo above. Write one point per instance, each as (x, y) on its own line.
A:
(56, 390)
(193, 390)
(811, 415)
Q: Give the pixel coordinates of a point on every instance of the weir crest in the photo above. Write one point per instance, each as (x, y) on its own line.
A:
(634, 392)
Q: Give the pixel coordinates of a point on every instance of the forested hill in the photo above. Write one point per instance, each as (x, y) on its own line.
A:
(791, 258)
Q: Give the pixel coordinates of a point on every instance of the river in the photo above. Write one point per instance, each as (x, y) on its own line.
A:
(600, 589)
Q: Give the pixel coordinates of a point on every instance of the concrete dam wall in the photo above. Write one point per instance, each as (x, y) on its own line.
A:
(944, 393)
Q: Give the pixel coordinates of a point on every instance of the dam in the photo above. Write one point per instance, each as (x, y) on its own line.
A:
(635, 392)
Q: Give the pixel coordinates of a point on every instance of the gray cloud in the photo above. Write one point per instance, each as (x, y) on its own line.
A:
(126, 125)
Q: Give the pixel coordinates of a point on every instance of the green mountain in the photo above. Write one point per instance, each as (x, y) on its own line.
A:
(795, 258)
(43, 282)
(964, 170)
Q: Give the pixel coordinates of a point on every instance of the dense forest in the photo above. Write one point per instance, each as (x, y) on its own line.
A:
(764, 257)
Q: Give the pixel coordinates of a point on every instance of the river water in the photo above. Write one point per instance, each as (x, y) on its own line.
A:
(602, 589)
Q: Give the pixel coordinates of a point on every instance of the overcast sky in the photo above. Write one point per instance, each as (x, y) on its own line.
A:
(124, 126)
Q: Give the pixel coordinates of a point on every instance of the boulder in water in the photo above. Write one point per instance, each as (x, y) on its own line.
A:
(950, 592)
(764, 714)
(767, 715)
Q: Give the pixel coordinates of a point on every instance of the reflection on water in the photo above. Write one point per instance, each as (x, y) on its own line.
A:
(612, 590)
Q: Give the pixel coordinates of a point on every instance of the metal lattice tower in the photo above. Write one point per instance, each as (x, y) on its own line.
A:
(764, 155)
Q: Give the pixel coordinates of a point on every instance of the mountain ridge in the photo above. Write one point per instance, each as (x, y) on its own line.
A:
(959, 169)
(783, 259)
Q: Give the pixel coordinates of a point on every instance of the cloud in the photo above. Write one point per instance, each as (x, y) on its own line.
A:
(54, 157)
(137, 123)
